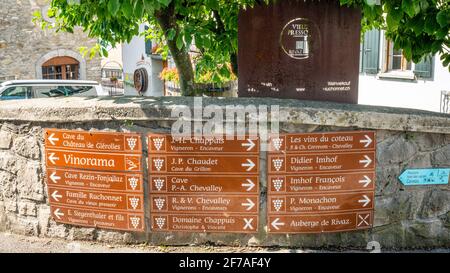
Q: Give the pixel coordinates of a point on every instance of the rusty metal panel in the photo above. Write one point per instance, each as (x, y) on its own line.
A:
(300, 49)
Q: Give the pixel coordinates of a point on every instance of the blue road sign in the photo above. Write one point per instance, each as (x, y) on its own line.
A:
(437, 176)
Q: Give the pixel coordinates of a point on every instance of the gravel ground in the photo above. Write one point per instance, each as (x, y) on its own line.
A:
(13, 243)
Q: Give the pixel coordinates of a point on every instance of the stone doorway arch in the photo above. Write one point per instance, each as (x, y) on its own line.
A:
(61, 53)
(61, 68)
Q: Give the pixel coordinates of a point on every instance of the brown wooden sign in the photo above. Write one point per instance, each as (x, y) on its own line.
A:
(204, 184)
(93, 141)
(108, 181)
(205, 223)
(94, 161)
(321, 182)
(337, 202)
(203, 164)
(318, 223)
(326, 141)
(94, 199)
(166, 143)
(205, 203)
(300, 49)
(95, 179)
(117, 220)
(310, 183)
(353, 161)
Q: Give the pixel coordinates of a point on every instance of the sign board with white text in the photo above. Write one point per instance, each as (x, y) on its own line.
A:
(95, 179)
(203, 184)
(321, 182)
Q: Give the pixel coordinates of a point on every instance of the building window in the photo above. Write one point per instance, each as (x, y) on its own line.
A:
(395, 59)
(396, 66)
(148, 43)
(393, 64)
(61, 68)
(112, 73)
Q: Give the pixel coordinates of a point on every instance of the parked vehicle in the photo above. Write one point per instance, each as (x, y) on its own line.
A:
(29, 89)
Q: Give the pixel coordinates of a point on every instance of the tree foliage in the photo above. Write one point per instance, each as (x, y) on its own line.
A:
(419, 27)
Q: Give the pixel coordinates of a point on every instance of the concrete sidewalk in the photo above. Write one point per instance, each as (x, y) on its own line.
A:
(13, 243)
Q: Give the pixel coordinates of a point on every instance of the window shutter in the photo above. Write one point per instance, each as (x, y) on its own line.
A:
(361, 58)
(424, 68)
(371, 51)
(148, 44)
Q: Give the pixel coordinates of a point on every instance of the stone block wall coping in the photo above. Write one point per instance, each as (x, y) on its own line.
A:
(84, 109)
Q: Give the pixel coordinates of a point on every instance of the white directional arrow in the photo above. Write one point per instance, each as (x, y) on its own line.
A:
(365, 201)
(276, 223)
(366, 181)
(56, 196)
(250, 144)
(250, 204)
(52, 139)
(366, 161)
(53, 158)
(54, 177)
(367, 141)
(249, 164)
(250, 185)
(58, 214)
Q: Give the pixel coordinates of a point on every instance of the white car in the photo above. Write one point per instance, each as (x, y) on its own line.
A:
(29, 89)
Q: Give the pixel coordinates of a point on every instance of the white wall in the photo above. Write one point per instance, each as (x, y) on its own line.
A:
(114, 59)
(422, 94)
(134, 57)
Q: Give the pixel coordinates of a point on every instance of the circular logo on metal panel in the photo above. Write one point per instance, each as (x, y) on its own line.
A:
(296, 38)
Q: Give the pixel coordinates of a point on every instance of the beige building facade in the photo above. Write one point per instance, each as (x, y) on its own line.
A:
(28, 52)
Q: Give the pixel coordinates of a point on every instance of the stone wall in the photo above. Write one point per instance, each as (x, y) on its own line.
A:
(24, 47)
(405, 217)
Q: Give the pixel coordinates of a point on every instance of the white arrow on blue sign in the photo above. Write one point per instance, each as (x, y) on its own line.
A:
(436, 176)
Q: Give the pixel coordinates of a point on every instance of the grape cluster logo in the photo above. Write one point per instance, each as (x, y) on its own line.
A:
(133, 181)
(277, 184)
(132, 142)
(276, 143)
(135, 221)
(134, 201)
(158, 142)
(158, 162)
(159, 202)
(160, 222)
(159, 183)
(277, 204)
(278, 163)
